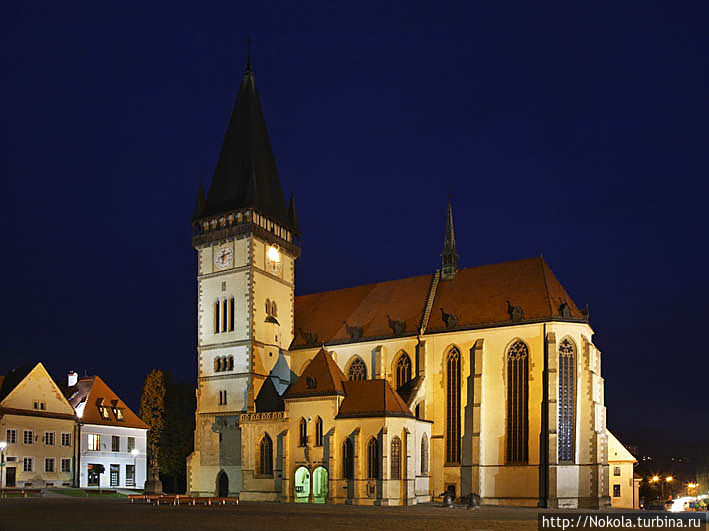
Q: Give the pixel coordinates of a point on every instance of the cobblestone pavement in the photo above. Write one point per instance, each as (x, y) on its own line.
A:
(105, 515)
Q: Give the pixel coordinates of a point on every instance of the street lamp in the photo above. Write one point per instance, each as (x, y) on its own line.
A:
(3, 445)
(134, 452)
(654, 479)
(669, 479)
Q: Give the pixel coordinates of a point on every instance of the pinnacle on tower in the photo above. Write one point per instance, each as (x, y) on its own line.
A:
(449, 256)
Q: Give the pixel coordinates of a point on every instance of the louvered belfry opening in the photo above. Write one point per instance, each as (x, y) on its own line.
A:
(567, 400)
(517, 403)
(453, 406)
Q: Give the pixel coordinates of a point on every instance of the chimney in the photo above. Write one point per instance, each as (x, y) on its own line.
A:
(72, 378)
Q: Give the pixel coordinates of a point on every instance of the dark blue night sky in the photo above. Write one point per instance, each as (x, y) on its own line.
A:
(579, 131)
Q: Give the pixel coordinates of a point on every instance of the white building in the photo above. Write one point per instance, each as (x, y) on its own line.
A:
(110, 435)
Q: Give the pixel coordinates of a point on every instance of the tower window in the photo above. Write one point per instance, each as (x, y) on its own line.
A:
(303, 439)
(453, 406)
(274, 309)
(567, 400)
(318, 432)
(216, 316)
(224, 315)
(396, 458)
(373, 459)
(231, 314)
(265, 465)
(403, 370)
(424, 455)
(348, 459)
(358, 370)
(517, 403)
(268, 307)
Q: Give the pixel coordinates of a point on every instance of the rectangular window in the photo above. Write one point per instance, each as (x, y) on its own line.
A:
(131, 443)
(216, 317)
(616, 491)
(11, 436)
(94, 442)
(115, 475)
(27, 464)
(231, 314)
(115, 443)
(49, 464)
(224, 316)
(130, 475)
(28, 437)
(38, 404)
(49, 438)
(66, 439)
(616, 471)
(66, 465)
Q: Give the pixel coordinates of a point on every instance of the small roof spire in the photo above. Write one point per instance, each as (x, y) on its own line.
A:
(248, 55)
(449, 256)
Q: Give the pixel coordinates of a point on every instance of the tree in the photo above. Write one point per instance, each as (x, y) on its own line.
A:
(152, 409)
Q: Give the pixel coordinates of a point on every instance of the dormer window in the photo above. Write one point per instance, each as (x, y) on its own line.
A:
(39, 405)
(104, 412)
(118, 413)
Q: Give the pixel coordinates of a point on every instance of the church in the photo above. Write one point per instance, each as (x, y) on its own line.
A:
(482, 380)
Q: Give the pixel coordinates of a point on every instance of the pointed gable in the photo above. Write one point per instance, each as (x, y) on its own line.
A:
(96, 403)
(618, 452)
(246, 174)
(372, 398)
(322, 377)
(37, 387)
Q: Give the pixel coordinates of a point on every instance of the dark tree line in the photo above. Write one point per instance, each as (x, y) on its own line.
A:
(168, 407)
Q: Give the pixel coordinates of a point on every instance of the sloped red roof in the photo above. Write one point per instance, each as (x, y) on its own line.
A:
(368, 307)
(372, 398)
(322, 377)
(477, 296)
(93, 391)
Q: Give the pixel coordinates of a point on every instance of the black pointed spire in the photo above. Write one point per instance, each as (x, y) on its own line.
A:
(246, 174)
(292, 215)
(200, 203)
(449, 256)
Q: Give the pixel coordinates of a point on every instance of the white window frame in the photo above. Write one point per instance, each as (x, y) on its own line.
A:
(53, 437)
(31, 461)
(48, 460)
(68, 467)
(97, 439)
(11, 436)
(24, 437)
(68, 438)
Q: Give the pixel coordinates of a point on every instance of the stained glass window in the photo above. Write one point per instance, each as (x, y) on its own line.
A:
(453, 406)
(567, 400)
(517, 403)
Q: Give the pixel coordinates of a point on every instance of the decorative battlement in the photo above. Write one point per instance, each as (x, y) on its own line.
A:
(239, 223)
(264, 415)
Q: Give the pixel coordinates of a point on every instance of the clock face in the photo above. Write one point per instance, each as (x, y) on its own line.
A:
(223, 256)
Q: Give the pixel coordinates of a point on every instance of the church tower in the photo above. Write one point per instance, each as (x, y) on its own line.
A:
(247, 241)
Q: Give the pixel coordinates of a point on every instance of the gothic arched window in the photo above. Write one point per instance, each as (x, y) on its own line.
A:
(318, 432)
(424, 455)
(396, 458)
(216, 316)
(265, 465)
(403, 370)
(274, 309)
(372, 459)
(358, 370)
(231, 363)
(567, 400)
(217, 364)
(348, 459)
(225, 316)
(303, 439)
(268, 307)
(517, 403)
(231, 314)
(453, 406)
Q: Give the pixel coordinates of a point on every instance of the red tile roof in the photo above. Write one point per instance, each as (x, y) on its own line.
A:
(322, 377)
(372, 398)
(94, 392)
(477, 296)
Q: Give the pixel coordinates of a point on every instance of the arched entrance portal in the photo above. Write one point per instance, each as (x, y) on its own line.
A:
(302, 485)
(222, 485)
(320, 483)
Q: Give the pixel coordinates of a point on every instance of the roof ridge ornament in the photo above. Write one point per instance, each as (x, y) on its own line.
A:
(449, 256)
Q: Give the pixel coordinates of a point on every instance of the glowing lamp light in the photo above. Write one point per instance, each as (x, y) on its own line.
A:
(273, 254)
(655, 479)
(3, 445)
(669, 478)
(134, 452)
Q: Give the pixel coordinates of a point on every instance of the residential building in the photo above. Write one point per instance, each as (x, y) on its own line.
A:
(624, 485)
(40, 428)
(110, 435)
